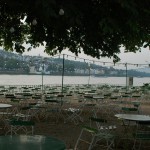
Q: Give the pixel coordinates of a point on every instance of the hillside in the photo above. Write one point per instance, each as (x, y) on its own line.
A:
(11, 63)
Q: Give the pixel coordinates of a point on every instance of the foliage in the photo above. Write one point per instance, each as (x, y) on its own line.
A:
(97, 27)
(12, 64)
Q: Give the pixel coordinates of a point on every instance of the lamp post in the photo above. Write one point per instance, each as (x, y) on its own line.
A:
(63, 67)
(42, 74)
(89, 73)
(126, 76)
(62, 83)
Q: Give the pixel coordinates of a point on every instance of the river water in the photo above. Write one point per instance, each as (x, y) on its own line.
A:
(45, 79)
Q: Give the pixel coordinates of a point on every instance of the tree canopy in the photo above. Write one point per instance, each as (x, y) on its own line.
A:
(97, 27)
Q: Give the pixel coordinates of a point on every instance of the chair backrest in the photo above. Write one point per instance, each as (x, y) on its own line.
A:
(129, 109)
(136, 104)
(103, 125)
(143, 125)
(23, 113)
(99, 122)
(142, 131)
(17, 125)
(21, 123)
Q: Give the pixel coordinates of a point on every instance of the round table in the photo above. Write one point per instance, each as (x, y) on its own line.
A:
(5, 105)
(133, 117)
(26, 142)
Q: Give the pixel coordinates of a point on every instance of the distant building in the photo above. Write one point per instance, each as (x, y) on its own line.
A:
(113, 72)
(32, 70)
(99, 72)
(146, 70)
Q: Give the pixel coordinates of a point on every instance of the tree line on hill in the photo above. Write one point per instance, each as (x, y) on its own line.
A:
(11, 63)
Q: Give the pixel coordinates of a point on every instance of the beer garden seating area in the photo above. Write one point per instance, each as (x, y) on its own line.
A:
(51, 108)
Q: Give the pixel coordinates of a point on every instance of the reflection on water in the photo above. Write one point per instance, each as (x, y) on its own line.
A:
(37, 80)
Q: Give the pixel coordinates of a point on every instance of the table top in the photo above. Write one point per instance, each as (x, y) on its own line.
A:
(98, 97)
(5, 105)
(26, 142)
(90, 93)
(133, 117)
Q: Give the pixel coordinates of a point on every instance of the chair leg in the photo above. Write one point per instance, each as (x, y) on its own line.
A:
(32, 130)
(78, 140)
(11, 130)
(109, 145)
(140, 144)
(91, 144)
(133, 148)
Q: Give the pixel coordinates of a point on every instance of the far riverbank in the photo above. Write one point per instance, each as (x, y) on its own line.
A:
(39, 80)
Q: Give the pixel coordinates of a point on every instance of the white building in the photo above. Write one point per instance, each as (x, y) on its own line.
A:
(32, 69)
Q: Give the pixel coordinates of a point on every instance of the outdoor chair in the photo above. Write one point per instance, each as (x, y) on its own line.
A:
(73, 112)
(130, 110)
(137, 97)
(36, 97)
(100, 123)
(126, 98)
(15, 101)
(10, 96)
(142, 136)
(20, 127)
(23, 114)
(137, 105)
(86, 131)
(100, 135)
(60, 98)
(53, 109)
(5, 114)
(37, 111)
